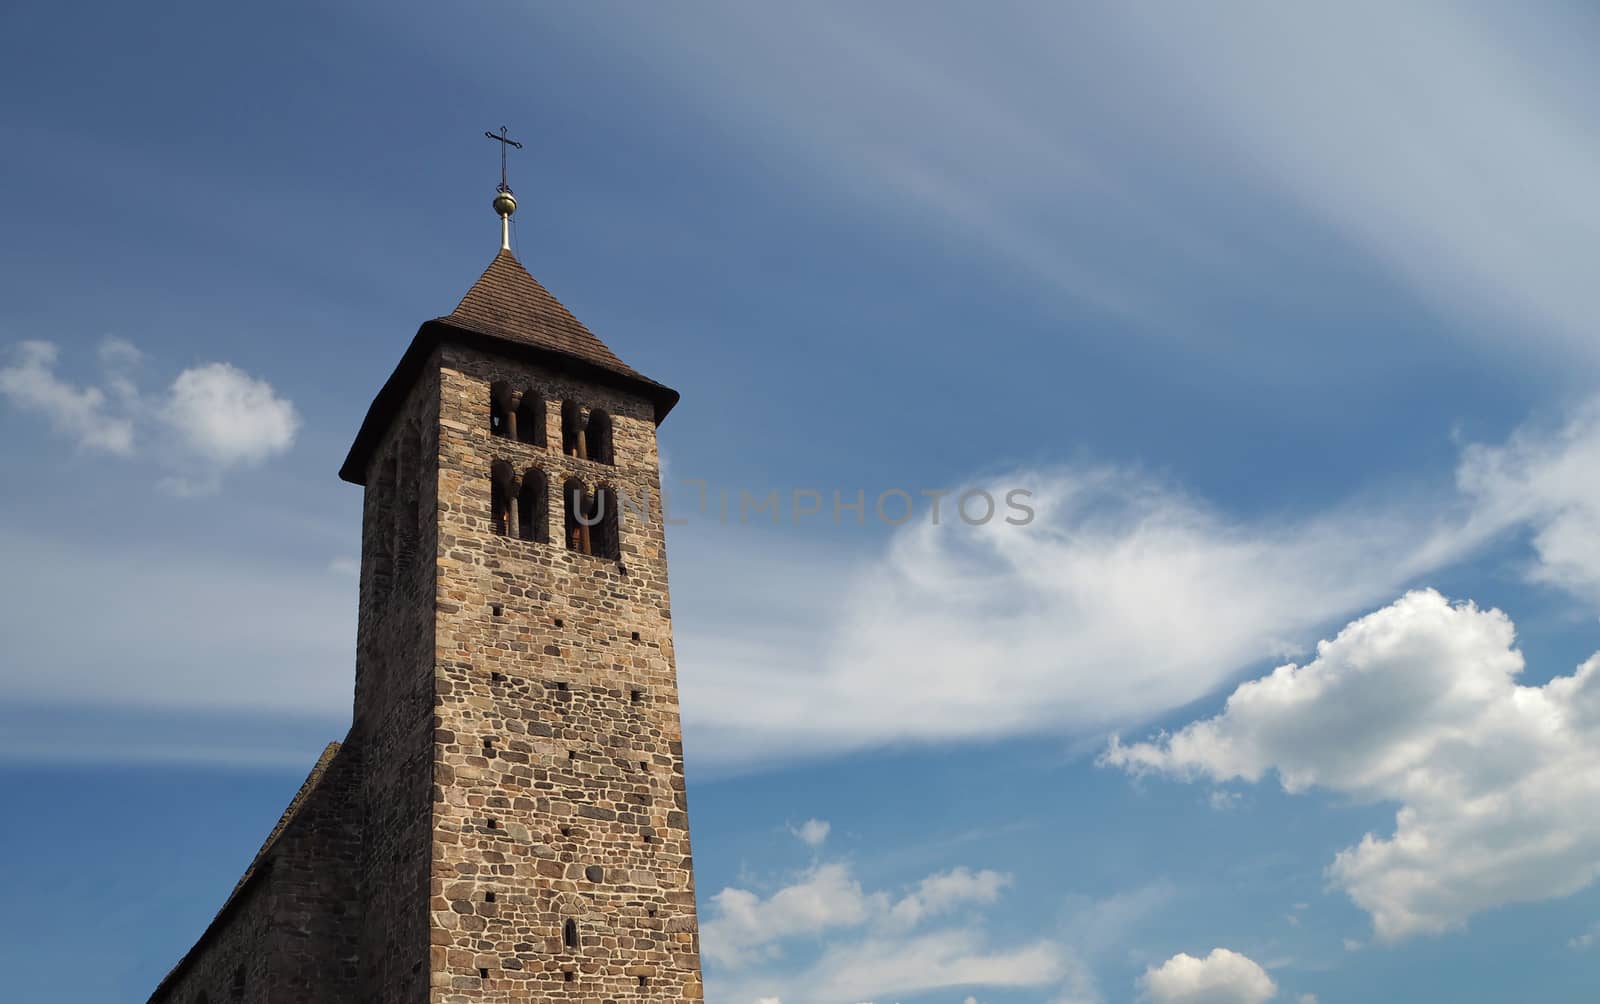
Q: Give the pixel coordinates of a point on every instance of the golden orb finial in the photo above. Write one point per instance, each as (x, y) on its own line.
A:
(504, 202)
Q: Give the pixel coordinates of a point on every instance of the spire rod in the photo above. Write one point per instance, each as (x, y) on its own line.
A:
(504, 202)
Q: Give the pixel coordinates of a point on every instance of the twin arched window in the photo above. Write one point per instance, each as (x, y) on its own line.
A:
(586, 440)
(531, 498)
(591, 520)
(519, 417)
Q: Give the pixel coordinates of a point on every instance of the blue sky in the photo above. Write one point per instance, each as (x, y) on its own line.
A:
(1285, 317)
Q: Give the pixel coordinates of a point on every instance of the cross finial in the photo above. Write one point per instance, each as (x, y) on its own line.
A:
(504, 202)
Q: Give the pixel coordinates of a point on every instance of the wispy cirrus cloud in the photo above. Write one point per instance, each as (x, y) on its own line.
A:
(1066, 626)
(218, 629)
(1130, 159)
(1459, 161)
(1125, 598)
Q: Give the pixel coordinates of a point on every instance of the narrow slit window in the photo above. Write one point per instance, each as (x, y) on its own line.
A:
(569, 935)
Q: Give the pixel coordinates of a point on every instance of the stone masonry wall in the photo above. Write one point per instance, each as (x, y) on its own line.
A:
(313, 952)
(394, 699)
(561, 868)
(506, 820)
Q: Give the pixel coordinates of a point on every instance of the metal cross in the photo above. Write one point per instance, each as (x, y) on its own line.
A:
(504, 141)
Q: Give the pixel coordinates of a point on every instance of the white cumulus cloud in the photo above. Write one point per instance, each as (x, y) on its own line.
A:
(871, 943)
(228, 417)
(1418, 704)
(1223, 977)
(938, 894)
(813, 832)
(212, 417)
(741, 924)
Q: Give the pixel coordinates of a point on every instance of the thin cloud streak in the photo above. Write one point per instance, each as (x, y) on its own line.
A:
(1464, 164)
(1133, 159)
(1123, 600)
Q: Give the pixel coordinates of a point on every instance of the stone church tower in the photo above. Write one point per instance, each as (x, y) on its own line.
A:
(506, 820)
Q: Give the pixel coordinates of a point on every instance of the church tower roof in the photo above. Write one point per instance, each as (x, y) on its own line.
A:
(508, 303)
(509, 312)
